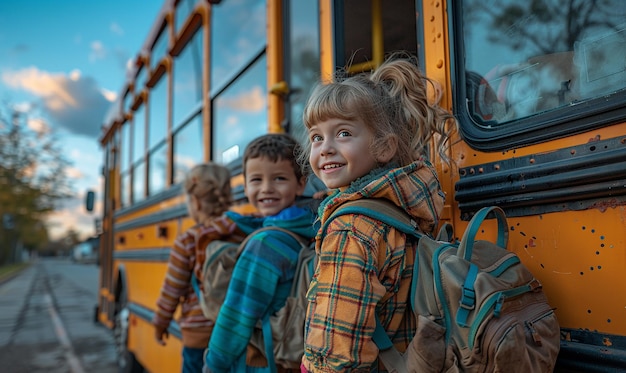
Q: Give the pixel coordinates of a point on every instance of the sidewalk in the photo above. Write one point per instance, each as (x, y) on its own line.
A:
(8, 275)
(12, 298)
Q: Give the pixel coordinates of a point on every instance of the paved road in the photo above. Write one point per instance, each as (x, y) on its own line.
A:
(47, 321)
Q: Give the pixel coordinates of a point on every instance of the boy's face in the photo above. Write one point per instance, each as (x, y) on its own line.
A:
(271, 186)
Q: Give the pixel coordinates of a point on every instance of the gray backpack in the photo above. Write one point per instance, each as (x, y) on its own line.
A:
(477, 307)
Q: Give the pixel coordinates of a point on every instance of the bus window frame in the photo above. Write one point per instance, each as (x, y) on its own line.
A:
(559, 122)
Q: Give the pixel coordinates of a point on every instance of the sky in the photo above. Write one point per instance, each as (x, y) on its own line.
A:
(68, 60)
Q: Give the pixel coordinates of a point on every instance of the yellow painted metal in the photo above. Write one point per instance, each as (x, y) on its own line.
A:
(275, 58)
(378, 46)
(327, 57)
(151, 355)
(173, 202)
(206, 85)
(147, 237)
(103, 318)
(436, 68)
(145, 289)
(579, 258)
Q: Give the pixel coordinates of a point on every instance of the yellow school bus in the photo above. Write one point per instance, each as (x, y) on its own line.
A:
(538, 88)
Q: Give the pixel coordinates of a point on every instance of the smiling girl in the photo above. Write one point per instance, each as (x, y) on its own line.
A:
(368, 137)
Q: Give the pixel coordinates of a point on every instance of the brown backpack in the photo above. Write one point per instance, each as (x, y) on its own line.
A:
(477, 307)
(279, 335)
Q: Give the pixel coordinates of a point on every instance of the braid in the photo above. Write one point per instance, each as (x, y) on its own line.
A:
(210, 184)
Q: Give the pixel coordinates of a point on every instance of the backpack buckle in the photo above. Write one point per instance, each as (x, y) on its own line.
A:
(468, 299)
(535, 285)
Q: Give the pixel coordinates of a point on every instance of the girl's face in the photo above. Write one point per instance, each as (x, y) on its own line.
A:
(340, 151)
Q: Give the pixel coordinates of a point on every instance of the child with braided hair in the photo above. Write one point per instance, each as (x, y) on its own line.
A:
(208, 192)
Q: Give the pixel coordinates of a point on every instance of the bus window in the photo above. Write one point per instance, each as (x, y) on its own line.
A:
(304, 60)
(139, 182)
(142, 78)
(524, 61)
(233, 50)
(127, 102)
(183, 10)
(159, 49)
(240, 114)
(187, 95)
(157, 130)
(125, 166)
(158, 169)
(138, 151)
(238, 77)
(187, 147)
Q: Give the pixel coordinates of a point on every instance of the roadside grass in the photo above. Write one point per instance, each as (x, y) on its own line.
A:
(10, 269)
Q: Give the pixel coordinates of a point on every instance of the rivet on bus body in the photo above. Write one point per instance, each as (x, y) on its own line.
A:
(496, 167)
(572, 152)
(471, 171)
(439, 64)
(532, 160)
(480, 170)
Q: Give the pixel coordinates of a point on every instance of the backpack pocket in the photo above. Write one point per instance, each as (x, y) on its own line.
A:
(526, 340)
(427, 351)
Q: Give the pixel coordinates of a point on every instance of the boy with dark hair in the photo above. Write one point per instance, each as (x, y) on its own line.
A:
(261, 279)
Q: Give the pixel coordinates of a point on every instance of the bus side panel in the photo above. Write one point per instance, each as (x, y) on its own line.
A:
(152, 356)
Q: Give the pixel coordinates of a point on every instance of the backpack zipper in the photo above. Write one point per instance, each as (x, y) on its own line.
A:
(508, 263)
(506, 326)
(490, 303)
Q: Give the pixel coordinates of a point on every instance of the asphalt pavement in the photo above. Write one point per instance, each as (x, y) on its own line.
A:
(47, 321)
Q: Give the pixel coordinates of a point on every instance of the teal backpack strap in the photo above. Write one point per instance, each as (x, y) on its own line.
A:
(446, 233)
(268, 343)
(467, 241)
(468, 296)
(195, 285)
(296, 237)
(387, 353)
(381, 210)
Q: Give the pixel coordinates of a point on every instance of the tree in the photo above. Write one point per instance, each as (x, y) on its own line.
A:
(548, 26)
(32, 179)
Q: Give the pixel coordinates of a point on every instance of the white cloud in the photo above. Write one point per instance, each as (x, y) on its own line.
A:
(98, 52)
(116, 29)
(74, 173)
(74, 102)
(73, 215)
(109, 95)
(250, 101)
(39, 126)
(76, 219)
